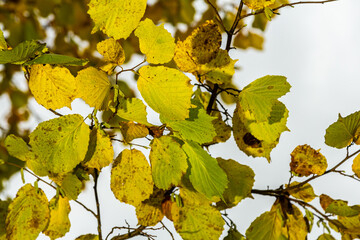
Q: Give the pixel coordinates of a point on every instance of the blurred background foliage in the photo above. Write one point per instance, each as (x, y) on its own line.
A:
(66, 28)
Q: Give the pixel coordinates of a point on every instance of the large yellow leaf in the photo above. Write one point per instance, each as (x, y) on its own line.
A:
(94, 87)
(59, 223)
(101, 152)
(168, 91)
(131, 180)
(112, 51)
(155, 42)
(306, 160)
(28, 214)
(116, 18)
(52, 87)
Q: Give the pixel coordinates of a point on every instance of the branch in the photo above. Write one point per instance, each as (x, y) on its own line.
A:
(98, 215)
(135, 232)
(287, 5)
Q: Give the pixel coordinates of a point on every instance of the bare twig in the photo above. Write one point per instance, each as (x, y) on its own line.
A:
(55, 112)
(98, 215)
(130, 234)
(217, 15)
(130, 144)
(172, 236)
(347, 175)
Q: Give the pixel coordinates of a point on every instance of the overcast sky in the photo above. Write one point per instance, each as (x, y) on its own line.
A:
(317, 47)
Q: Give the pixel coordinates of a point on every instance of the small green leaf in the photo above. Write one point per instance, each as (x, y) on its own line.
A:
(344, 131)
(17, 147)
(205, 174)
(268, 13)
(52, 58)
(22, 52)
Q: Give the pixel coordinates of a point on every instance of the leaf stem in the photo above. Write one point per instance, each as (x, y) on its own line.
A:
(98, 215)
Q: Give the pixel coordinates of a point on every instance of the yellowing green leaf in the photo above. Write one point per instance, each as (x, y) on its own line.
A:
(341, 133)
(341, 208)
(205, 174)
(88, 237)
(200, 222)
(168, 91)
(241, 180)
(93, 87)
(3, 212)
(155, 42)
(355, 165)
(28, 214)
(295, 225)
(168, 162)
(325, 236)
(52, 87)
(258, 4)
(71, 185)
(3, 44)
(149, 212)
(197, 127)
(234, 234)
(22, 52)
(325, 201)
(131, 131)
(58, 145)
(116, 18)
(131, 109)
(306, 160)
(351, 228)
(101, 152)
(112, 51)
(17, 147)
(51, 58)
(131, 180)
(305, 192)
(250, 39)
(266, 227)
(59, 223)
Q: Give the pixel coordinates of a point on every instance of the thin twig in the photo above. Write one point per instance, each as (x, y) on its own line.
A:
(286, 5)
(98, 215)
(172, 236)
(217, 15)
(130, 144)
(130, 234)
(55, 112)
(347, 175)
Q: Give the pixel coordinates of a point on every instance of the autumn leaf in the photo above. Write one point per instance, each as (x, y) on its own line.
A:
(306, 160)
(305, 192)
(112, 51)
(258, 4)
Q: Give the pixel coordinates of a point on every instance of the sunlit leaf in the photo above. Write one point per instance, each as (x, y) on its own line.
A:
(306, 160)
(295, 226)
(71, 185)
(325, 201)
(28, 214)
(305, 192)
(3, 44)
(155, 42)
(131, 109)
(266, 227)
(131, 180)
(200, 222)
(149, 212)
(88, 237)
(341, 133)
(325, 236)
(58, 145)
(112, 51)
(52, 87)
(258, 4)
(100, 153)
(168, 91)
(205, 174)
(22, 52)
(17, 147)
(52, 58)
(168, 162)
(93, 87)
(341, 208)
(241, 180)
(116, 18)
(59, 223)
(356, 165)
(131, 131)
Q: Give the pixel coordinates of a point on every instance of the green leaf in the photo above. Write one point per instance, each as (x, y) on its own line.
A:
(131, 180)
(131, 109)
(266, 227)
(341, 208)
(268, 13)
(198, 127)
(28, 214)
(52, 58)
(326, 236)
(205, 174)
(168, 91)
(200, 222)
(233, 234)
(344, 131)
(168, 162)
(59, 223)
(259, 97)
(58, 145)
(149, 212)
(116, 18)
(17, 147)
(21, 53)
(88, 237)
(155, 42)
(310, 219)
(241, 180)
(71, 185)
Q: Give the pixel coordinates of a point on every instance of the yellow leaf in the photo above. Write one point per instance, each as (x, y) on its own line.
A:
(305, 192)
(131, 180)
(116, 18)
(131, 131)
(168, 91)
(306, 160)
(52, 87)
(149, 212)
(59, 223)
(356, 166)
(100, 153)
(94, 87)
(112, 51)
(258, 4)
(325, 201)
(155, 42)
(28, 214)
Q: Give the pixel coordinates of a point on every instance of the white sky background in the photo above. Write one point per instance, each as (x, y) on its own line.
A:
(317, 47)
